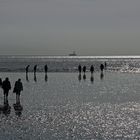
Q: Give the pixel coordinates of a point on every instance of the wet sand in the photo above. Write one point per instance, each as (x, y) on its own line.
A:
(62, 107)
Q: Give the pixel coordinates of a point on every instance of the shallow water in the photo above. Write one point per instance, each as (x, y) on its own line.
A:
(65, 108)
(129, 64)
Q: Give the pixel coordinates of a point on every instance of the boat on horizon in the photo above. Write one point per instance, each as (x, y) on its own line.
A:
(73, 54)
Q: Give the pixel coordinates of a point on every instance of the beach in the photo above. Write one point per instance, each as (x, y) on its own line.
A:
(62, 107)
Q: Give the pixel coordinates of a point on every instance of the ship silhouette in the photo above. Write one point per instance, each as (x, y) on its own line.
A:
(73, 54)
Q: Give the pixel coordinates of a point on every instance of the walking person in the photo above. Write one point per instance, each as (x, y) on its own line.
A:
(6, 86)
(17, 89)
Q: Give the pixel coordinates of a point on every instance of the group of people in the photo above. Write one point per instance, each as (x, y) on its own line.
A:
(83, 69)
(35, 69)
(6, 86)
(80, 69)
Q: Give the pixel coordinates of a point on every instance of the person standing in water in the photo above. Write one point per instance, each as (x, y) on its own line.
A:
(84, 69)
(27, 68)
(17, 89)
(46, 68)
(91, 69)
(35, 68)
(79, 69)
(6, 86)
(101, 67)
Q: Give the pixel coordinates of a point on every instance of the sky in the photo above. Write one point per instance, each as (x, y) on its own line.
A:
(59, 27)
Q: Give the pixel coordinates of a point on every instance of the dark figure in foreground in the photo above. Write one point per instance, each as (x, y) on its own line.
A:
(46, 68)
(101, 67)
(0, 82)
(17, 89)
(91, 69)
(84, 69)
(79, 69)
(6, 85)
(27, 68)
(35, 68)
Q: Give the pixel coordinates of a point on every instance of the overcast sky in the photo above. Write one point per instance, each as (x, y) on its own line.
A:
(58, 27)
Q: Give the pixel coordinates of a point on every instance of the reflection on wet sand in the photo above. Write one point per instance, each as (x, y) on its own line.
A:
(101, 75)
(18, 107)
(79, 77)
(27, 79)
(84, 77)
(35, 78)
(46, 77)
(6, 108)
(92, 79)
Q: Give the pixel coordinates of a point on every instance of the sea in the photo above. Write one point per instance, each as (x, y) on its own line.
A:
(69, 63)
(63, 105)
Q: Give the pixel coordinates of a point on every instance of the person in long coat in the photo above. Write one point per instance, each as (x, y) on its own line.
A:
(17, 89)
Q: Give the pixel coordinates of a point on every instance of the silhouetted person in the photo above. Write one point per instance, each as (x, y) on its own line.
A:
(84, 69)
(84, 77)
(6, 85)
(91, 69)
(46, 77)
(35, 68)
(79, 77)
(101, 67)
(17, 89)
(27, 68)
(102, 75)
(0, 82)
(46, 68)
(79, 69)
(92, 79)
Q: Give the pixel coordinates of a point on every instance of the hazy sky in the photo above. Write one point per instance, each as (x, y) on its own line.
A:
(58, 27)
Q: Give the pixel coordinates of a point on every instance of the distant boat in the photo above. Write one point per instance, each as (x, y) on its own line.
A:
(73, 54)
